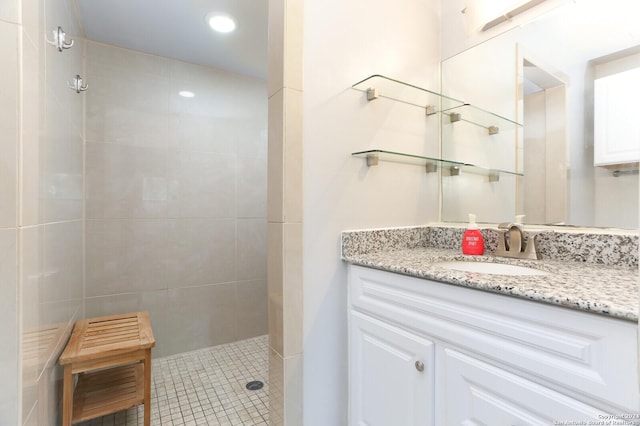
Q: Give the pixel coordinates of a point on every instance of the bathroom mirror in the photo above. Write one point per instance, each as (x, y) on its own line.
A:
(541, 74)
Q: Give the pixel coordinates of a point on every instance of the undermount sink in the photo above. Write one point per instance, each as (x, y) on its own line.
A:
(489, 268)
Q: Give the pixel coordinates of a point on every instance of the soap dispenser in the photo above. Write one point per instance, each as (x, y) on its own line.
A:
(472, 241)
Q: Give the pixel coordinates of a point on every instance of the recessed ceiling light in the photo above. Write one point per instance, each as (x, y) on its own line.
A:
(186, 94)
(221, 23)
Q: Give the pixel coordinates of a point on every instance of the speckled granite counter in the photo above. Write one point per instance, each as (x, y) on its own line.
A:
(608, 289)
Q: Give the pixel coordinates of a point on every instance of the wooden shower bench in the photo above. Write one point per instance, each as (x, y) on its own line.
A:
(112, 357)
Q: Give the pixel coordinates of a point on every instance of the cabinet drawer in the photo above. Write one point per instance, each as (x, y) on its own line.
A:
(477, 393)
(589, 356)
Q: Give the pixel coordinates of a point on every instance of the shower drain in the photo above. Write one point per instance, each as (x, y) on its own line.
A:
(255, 385)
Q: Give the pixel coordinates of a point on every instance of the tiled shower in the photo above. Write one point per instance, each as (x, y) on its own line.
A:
(125, 197)
(175, 197)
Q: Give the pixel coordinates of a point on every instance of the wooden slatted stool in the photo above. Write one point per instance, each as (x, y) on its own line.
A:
(112, 357)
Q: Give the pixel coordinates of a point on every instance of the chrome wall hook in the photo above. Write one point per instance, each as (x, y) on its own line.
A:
(60, 40)
(77, 84)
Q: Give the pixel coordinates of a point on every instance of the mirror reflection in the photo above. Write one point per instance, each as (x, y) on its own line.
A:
(562, 77)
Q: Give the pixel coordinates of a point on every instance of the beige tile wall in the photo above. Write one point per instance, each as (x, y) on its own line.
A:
(285, 212)
(176, 192)
(176, 197)
(41, 206)
(9, 114)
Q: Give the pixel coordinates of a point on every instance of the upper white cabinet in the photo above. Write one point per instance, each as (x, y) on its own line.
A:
(616, 122)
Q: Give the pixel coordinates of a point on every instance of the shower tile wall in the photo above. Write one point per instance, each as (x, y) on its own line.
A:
(41, 205)
(176, 197)
(9, 113)
(49, 222)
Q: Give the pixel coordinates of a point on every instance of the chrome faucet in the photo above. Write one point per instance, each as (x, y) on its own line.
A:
(515, 246)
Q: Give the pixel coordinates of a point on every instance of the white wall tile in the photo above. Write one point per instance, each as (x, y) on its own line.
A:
(61, 69)
(64, 163)
(63, 268)
(201, 316)
(33, 21)
(119, 112)
(126, 181)
(252, 136)
(202, 185)
(251, 249)
(293, 28)
(9, 330)
(292, 152)
(276, 388)
(9, 110)
(201, 252)
(201, 133)
(164, 193)
(251, 181)
(32, 154)
(31, 263)
(61, 13)
(49, 395)
(125, 255)
(275, 276)
(292, 290)
(276, 55)
(51, 194)
(10, 11)
(252, 308)
(275, 158)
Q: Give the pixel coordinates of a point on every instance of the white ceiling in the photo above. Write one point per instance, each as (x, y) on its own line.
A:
(177, 29)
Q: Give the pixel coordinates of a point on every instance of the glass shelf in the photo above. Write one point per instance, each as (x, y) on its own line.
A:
(385, 87)
(449, 168)
(494, 123)
(379, 86)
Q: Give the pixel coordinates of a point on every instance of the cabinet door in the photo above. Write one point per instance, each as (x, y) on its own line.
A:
(616, 125)
(477, 393)
(391, 375)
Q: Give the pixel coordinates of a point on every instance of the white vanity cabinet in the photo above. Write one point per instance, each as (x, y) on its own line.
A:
(486, 358)
(392, 374)
(616, 125)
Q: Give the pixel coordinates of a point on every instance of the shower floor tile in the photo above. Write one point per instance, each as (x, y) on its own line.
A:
(205, 387)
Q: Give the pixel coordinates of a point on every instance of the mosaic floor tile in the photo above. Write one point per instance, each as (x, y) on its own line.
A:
(205, 387)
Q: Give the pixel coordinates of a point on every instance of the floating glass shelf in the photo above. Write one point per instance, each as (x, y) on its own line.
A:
(379, 86)
(494, 123)
(449, 168)
(376, 86)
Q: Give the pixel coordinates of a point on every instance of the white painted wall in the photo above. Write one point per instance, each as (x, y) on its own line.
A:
(400, 40)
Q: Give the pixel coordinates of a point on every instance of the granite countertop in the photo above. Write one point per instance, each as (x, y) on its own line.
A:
(611, 290)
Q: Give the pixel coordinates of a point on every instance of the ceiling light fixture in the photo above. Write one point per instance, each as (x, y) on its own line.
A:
(186, 94)
(221, 23)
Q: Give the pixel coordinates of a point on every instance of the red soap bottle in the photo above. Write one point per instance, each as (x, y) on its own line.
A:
(472, 241)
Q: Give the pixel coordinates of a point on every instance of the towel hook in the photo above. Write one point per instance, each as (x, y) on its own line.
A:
(77, 84)
(60, 40)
